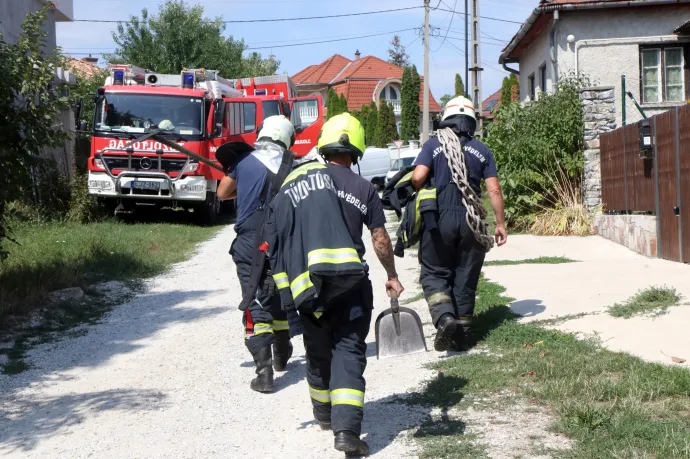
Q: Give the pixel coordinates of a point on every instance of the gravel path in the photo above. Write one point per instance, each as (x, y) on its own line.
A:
(167, 376)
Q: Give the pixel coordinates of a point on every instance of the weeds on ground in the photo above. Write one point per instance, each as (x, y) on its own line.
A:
(611, 404)
(54, 256)
(531, 261)
(654, 300)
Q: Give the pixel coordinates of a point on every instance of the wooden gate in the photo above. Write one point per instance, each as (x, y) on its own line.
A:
(661, 185)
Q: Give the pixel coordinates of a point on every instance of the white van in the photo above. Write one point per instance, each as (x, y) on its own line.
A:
(374, 165)
(408, 154)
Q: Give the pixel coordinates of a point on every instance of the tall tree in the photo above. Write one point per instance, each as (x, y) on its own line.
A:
(459, 86)
(386, 129)
(411, 83)
(332, 103)
(181, 37)
(510, 90)
(343, 104)
(397, 54)
(445, 99)
(372, 124)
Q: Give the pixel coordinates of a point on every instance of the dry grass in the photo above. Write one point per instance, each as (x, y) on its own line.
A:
(567, 214)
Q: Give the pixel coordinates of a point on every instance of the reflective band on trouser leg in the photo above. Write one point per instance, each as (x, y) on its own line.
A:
(465, 321)
(300, 284)
(281, 280)
(322, 396)
(260, 329)
(280, 325)
(438, 298)
(333, 256)
(347, 397)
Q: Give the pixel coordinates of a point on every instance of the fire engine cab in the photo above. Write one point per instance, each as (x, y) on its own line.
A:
(196, 109)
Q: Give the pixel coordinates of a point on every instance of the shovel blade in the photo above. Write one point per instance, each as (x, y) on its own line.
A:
(399, 333)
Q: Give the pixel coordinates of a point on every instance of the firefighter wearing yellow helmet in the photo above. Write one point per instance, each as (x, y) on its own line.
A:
(335, 341)
(450, 256)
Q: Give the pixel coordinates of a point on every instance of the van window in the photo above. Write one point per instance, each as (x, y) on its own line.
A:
(402, 163)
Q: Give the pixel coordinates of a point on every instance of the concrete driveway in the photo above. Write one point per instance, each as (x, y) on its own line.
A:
(605, 273)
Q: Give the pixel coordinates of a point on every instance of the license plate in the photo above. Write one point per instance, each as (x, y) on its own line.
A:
(146, 185)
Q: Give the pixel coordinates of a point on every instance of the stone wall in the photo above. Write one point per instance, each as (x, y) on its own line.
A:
(636, 232)
(598, 105)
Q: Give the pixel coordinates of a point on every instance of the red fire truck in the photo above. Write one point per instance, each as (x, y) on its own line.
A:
(198, 110)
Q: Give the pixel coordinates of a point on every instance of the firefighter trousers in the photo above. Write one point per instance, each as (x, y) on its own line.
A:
(264, 317)
(336, 347)
(451, 261)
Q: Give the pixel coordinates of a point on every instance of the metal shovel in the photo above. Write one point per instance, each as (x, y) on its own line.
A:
(399, 331)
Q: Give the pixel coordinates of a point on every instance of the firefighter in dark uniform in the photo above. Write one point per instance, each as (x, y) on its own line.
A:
(451, 258)
(336, 341)
(266, 324)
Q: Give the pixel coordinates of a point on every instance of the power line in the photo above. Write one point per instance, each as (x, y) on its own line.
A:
(449, 25)
(330, 41)
(246, 21)
(483, 17)
(249, 48)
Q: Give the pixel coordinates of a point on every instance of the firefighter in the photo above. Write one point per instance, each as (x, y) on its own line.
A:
(450, 256)
(266, 325)
(335, 342)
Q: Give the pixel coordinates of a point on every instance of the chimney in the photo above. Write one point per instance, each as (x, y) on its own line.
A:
(91, 60)
(357, 55)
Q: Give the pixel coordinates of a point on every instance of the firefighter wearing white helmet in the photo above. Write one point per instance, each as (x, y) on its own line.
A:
(251, 180)
(451, 258)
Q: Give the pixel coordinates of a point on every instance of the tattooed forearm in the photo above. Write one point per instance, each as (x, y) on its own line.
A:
(384, 250)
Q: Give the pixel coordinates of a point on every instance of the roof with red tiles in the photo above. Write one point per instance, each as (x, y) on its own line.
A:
(82, 68)
(370, 67)
(322, 73)
(491, 104)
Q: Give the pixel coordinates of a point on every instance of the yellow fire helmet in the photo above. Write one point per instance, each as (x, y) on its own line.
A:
(342, 134)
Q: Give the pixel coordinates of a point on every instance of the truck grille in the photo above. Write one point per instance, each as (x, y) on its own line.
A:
(168, 164)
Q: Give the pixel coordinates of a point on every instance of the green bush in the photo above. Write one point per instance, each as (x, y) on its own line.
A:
(538, 147)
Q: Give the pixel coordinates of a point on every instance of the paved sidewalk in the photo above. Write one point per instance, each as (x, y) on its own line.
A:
(605, 273)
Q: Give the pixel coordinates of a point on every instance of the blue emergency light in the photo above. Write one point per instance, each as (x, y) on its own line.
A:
(119, 77)
(188, 80)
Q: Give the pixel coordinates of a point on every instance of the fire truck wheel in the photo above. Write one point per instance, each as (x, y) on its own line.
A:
(209, 210)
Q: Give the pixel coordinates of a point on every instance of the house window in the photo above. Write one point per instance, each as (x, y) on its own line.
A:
(390, 93)
(542, 78)
(532, 88)
(663, 74)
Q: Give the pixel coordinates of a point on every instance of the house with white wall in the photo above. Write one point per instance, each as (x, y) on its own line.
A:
(648, 41)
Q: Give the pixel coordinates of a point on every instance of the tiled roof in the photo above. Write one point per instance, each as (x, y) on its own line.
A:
(82, 68)
(370, 67)
(359, 93)
(491, 103)
(322, 73)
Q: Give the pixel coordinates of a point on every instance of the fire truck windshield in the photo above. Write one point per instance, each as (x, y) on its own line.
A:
(140, 113)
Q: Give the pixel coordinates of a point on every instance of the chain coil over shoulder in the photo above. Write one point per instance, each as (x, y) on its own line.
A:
(476, 212)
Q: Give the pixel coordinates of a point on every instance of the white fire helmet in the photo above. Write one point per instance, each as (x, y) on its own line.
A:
(279, 129)
(459, 106)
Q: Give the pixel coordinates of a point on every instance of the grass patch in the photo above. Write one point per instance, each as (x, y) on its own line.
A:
(55, 256)
(654, 300)
(611, 404)
(531, 261)
(413, 299)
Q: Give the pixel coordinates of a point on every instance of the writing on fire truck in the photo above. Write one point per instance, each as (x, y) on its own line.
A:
(197, 109)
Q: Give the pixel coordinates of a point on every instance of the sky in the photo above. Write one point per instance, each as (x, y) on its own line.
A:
(446, 45)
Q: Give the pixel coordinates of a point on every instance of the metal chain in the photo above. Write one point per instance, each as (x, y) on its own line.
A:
(476, 212)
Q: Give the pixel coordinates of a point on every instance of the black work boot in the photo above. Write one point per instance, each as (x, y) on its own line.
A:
(461, 342)
(350, 444)
(282, 350)
(444, 333)
(264, 371)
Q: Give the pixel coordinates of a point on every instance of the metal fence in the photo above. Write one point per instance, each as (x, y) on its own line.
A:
(661, 184)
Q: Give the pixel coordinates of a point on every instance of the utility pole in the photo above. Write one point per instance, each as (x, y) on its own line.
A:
(467, 48)
(425, 112)
(476, 64)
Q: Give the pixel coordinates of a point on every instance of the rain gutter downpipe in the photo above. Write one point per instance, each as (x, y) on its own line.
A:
(552, 45)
